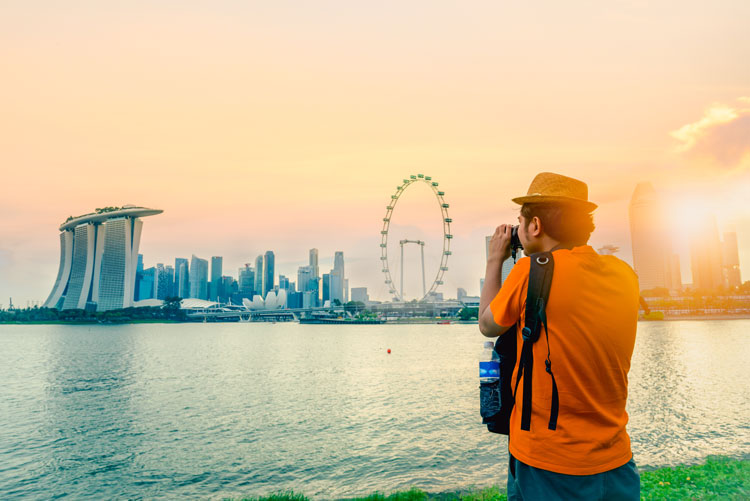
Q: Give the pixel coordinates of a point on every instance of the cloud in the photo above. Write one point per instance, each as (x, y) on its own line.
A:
(721, 136)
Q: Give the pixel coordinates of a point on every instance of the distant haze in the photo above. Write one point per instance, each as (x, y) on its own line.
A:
(286, 126)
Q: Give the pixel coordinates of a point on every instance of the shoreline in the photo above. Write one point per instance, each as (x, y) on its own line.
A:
(417, 321)
(717, 477)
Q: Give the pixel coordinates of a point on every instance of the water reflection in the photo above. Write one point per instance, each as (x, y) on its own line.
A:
(685, 401)
(205, 410)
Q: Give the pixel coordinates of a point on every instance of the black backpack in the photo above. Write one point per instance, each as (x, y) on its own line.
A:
(498, 398)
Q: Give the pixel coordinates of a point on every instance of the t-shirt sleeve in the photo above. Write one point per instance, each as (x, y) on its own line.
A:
(506, 306)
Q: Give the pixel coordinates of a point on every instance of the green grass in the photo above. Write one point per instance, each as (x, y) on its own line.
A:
(719, 478)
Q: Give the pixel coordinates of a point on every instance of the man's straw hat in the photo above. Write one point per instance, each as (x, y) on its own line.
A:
(554, 188)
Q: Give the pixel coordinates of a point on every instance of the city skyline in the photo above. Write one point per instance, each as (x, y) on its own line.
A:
(263, 127)
(313, 257)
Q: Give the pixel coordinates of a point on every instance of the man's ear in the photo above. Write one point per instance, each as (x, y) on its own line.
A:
(536, 227)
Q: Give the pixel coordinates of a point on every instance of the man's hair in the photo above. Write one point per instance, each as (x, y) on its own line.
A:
(569, 224)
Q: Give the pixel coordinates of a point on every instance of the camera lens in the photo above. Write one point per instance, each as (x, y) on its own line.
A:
(515, 242)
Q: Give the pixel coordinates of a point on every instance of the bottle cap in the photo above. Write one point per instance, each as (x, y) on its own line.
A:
(489, 344)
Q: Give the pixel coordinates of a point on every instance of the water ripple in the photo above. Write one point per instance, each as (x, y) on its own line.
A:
(212, 411)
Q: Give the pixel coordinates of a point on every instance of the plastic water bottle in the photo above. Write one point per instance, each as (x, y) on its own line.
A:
(489, 364)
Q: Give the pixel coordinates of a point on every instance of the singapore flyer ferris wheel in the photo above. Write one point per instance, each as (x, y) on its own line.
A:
(447, 236)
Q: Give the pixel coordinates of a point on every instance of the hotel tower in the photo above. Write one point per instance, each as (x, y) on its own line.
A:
(653, 260)
(98, 259)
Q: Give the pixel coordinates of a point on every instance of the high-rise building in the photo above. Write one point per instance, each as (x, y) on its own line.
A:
(675, 273)
(268, 272)
(228, 287)
(259, 275)
(164, 281)
(461, 293)
(198, 278)
(314, 263)
(216, 274)
(652, 250)
(706, 255)
(138, 277)
(148, 283)
(283, 282)
(181, 285)
(98, 259)
(326, 287)
(294, 299)
(246, 281)
(359, 294)
(336, 287)
(304, 277)
(507, 265)
(337, 279)
(731, 257)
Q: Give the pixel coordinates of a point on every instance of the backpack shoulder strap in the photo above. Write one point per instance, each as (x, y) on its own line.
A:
(540, 282)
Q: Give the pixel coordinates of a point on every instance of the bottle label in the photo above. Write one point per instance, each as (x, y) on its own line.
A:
(489, 369)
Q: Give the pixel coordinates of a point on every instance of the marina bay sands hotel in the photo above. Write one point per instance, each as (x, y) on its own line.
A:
(98, 259)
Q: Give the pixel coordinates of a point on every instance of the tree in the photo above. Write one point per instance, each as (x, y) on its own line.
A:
(467, 313)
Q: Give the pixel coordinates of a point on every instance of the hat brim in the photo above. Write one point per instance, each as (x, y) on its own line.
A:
(539, 199)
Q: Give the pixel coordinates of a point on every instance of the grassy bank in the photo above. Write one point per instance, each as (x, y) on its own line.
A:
(718, 478)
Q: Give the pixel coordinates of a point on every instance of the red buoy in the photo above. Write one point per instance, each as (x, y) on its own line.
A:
(389, 351)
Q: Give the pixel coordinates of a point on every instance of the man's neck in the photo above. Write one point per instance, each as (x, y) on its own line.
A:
(550, 244)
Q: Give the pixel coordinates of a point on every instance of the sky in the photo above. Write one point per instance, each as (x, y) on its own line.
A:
(285, 126)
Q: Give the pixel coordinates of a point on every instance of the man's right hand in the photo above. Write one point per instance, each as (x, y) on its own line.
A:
(500, 244)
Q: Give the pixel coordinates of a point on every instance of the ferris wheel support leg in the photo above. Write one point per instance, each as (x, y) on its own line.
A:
(424, 286)
(402, 271)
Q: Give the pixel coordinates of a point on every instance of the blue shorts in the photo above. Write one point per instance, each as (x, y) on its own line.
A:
(528, 483)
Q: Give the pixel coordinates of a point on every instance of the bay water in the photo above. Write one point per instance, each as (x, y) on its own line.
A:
(148, 411)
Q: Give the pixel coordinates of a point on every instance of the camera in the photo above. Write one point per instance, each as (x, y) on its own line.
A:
(515, 242)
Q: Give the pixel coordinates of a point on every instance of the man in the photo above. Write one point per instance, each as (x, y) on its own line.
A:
(592, 313)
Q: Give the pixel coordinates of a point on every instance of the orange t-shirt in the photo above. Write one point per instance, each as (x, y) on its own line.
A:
(591, 313)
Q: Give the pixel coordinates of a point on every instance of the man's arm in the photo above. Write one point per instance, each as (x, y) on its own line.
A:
(499, 252)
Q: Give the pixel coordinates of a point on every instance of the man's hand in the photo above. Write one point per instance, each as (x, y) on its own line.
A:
(499, 252)
(500, 244)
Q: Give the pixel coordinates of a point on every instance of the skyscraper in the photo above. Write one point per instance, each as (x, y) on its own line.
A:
(216, 273)
(304, 276)
(138, 277)
(359, 294)
(315, 276)
(147, 288)
(652, 250)
(268, 272)
(259, 275)
(731, 259)
(507, 265)
(337, 278)
(706, 255)
(98, 259)
(283, 282)
(164, 281)
(246, 281)
(326, 289)
(181, 285)
(198, 278)
(314, 263)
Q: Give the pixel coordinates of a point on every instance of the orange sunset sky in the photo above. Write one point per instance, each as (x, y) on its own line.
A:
(287, 125)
